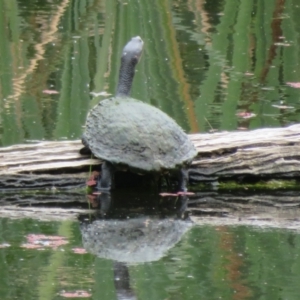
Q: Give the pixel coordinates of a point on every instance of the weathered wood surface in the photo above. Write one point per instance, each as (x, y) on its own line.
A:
(262, 153)
(271, 153)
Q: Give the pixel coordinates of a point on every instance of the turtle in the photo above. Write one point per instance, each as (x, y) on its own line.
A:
(126, 133)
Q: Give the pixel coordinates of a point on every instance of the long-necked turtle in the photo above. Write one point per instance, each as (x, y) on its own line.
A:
(125, 132)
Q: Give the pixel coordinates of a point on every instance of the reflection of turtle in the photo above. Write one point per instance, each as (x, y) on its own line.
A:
(135, 240)
(130, 134)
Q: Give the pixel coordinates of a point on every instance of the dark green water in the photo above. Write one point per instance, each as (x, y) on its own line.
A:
(207, 263)
(219, 64)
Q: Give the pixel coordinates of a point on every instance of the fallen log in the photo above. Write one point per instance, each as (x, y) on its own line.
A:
(241, 155)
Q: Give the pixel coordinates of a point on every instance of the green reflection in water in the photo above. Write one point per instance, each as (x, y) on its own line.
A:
(208, 263)
(206, 64)
(225, 263)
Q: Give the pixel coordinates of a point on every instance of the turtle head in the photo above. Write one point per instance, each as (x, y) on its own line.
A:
(133, 50)
(131, 55)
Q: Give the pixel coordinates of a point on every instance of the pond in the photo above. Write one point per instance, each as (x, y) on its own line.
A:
(215, 65)
(210, 65)
(47, 260)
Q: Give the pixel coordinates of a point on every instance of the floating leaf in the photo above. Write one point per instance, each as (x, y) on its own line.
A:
(268, 88)
(91, 182)
(246, 115)
(75, 294)
(282, 106)
(97, 193)
(185, 193)
(31, 246)
(38, 241)
(103, 93)
(282, 44)
(79, 250)
(50, 92)
(168, 195)
(294, 84)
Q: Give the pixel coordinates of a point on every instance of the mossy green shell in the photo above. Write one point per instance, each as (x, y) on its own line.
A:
(131, 133)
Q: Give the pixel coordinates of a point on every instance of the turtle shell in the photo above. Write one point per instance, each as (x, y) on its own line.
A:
(131, 133)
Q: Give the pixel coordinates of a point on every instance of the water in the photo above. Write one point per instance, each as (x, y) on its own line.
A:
(214, 65)
(208, 262)
(147, 248)
(220, 65)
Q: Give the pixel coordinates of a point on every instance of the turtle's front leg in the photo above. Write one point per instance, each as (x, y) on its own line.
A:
(105, 181)
(183, 178)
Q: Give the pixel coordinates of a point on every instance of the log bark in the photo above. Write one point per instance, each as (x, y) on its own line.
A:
(262, 153)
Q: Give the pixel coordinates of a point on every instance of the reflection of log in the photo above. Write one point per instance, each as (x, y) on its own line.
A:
(262, 153)
(277, 209)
